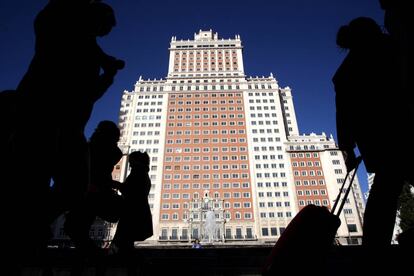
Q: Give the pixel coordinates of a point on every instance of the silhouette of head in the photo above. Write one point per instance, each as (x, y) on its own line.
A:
(360, 32)
(106, 131)
(101, 18)
(386, 4)
(138, 158)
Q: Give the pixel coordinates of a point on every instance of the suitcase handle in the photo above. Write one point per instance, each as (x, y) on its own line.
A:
(358, 160)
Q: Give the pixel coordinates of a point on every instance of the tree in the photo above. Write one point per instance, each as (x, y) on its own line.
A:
(406, 208)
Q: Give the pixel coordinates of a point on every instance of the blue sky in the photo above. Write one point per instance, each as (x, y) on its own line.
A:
(293, 39)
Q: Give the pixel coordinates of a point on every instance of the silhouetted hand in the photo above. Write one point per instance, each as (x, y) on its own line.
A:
(119, 64)
(111, 65)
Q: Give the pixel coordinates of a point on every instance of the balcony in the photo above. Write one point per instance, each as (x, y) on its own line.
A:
(184, 238)
(173, 238)
(250, 238)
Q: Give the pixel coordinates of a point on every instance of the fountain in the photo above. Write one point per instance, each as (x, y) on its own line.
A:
(210, 226)
(207, 215)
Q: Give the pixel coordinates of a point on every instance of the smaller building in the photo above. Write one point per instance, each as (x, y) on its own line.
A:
(318, 172)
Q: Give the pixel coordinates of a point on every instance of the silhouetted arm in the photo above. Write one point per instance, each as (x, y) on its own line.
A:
(346, 140)
(109, 63)
(110, 66)
(344, 127)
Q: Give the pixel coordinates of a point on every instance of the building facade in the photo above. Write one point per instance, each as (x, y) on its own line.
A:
(318, 172)
(226, 154)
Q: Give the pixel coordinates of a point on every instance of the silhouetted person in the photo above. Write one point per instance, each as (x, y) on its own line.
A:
(372, 116)
(102, 200)
(135, 223)
(7, 109)
(99, 22)
(399, 22)
(398, 18)
(68, 60)
(7, 123)
(8, 99)
(56, 98)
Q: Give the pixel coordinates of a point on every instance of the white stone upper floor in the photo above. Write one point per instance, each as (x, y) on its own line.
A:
(208, 82)
(206, 53)
(200, 41)
(310, 142)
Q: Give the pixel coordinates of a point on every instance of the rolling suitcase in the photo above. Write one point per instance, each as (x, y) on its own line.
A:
(306, 241)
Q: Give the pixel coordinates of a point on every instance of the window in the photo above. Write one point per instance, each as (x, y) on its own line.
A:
(352, 228)
(265, 232)
(164, 233)
(348, 211)
(247, 215)
(228, 233)
(249, 233)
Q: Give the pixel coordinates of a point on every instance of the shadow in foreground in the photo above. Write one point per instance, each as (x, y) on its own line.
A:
(342, 260)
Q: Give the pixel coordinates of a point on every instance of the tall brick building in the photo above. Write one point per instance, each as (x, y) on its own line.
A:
(225, 148)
